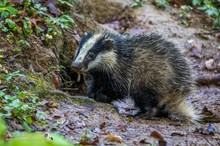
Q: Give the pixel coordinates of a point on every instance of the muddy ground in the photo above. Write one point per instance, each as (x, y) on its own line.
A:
(91, 123)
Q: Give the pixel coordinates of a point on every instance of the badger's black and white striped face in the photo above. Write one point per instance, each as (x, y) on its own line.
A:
(94, 52)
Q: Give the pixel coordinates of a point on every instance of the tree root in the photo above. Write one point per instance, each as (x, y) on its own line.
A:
(59, 92)
(208, 79)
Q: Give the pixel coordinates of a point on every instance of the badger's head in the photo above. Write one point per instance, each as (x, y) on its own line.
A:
(95, 52)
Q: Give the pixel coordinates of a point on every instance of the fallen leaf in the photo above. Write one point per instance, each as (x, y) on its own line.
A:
(53, 9)
(156, 134)
(55, 81)
(114, 138)
(143, 141)
(102, 125)
(7, 136)
(42, 25)
(194, 52)
(51, 104)
(89, 140)
(177, 134)
(16, 126)
(56, 117)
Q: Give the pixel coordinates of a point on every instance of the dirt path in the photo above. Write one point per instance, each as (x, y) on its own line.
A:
(97, 120)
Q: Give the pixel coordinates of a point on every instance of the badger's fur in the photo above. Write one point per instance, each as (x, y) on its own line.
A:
(144, 68)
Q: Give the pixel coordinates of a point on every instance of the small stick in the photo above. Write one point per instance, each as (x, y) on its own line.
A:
(208, 79)
(59, 92)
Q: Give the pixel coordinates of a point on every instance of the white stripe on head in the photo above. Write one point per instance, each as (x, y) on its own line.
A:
(86, 47)
(105, 60)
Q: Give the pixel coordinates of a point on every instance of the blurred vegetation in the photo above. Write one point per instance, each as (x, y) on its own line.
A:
(23, 18)
(209, 7)
(19, 93)
(15, 99)
(27, 139)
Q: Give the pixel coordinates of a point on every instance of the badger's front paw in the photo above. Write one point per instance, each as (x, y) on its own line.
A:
(91, 94)
(102, 98)
(126, 107)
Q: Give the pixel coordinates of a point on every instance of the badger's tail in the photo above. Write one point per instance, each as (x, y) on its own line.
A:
(182, 109)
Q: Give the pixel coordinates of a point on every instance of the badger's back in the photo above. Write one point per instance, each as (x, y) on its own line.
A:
(158, 65)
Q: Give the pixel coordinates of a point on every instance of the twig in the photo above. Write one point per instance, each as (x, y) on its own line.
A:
(70, 89)
(208, 79)
(59, 92)
(207, 33)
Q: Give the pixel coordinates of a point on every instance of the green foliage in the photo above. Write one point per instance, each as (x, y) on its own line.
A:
(137, 3)
(64, 21)
(33, 139)
(15, 102)
(6, 8)
(161, 3)
(210, 7)
(28, 17)
(23, 43)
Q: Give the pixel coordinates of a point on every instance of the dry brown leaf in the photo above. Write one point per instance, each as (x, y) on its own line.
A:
(55, 81)
(156, 134)
(114, 138)
(52, 104)
(102, 125)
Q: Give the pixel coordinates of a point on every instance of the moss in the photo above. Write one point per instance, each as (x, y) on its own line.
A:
(40, 86)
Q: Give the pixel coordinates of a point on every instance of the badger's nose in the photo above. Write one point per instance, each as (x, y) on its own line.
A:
(77, 65)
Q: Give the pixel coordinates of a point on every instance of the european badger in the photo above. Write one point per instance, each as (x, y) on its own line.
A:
(144, 69)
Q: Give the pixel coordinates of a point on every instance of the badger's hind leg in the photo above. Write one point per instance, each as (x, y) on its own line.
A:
(127, 107)
(180, 109)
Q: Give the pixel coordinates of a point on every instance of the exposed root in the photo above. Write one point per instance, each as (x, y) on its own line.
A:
(59, 92)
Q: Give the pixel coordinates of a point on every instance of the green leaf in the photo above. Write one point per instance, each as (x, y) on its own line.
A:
(197, 2)
(202, 8)
(9, 97)
(5, 115)
(212, 12)
(38, 139)
(22, 95)
(26, 127)
(11, 24)
(2, 94)
(15, 103)
(2, 126)
(29, 120)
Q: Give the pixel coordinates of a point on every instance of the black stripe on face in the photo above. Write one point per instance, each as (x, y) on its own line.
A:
(84, 39)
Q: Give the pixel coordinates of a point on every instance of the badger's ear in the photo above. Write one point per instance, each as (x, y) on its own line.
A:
(108, 43)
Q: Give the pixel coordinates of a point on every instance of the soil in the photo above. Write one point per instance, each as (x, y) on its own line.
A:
(76, 119)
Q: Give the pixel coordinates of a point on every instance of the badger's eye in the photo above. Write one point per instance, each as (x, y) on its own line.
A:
(90, 55)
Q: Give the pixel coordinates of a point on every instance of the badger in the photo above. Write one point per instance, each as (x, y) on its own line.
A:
(143, 75)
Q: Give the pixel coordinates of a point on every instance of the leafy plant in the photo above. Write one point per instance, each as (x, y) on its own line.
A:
(33, 139)
(161, 3)
(29, 16)
(137, 3)
(210, 7)
(23, 43)
(6, 8)
(63, 21)
(15, 102)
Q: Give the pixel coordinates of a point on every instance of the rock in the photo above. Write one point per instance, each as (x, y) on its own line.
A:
(209, 64)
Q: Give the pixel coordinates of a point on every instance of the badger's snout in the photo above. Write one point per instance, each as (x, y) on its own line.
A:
(77, 65)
